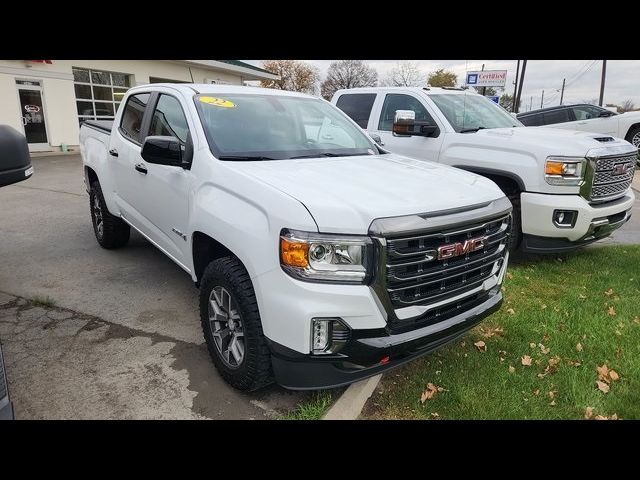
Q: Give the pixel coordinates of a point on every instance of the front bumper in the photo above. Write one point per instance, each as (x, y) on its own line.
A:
(594, 221)
(360, 358)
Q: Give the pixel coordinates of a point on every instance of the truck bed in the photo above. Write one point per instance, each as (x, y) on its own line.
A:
(102, 125)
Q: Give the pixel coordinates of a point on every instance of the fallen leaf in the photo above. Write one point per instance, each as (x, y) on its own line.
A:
(614, 416)
(542, 375)
(603, 387)
(544, 349)
(553, 403)
(552, 393)
(611, 311)
(532, 345)
(543, 306)
(588, 413)
(582, 296)
(603, 373)
(546, 337)
(511, 311)
(554, 361)
(579, 347)
(526, 360)
(609, 292)
(435, 414)
(509, 275)
(618, 332)
(481, 346)
(536, 392)
(463, 344)
(636, 320)
(601, 417)
(614, 375)
(511, 369)
(429, 392)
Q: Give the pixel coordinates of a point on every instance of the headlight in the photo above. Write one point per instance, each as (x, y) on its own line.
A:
(566, 171)
(317, 257)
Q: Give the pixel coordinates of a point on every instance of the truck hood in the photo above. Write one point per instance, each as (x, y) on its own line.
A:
(345, 194)
(554, 141)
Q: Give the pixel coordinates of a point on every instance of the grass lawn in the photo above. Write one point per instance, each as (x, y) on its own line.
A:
(567, 316)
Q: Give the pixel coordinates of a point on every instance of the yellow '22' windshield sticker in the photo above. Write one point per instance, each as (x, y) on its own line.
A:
(218, 102)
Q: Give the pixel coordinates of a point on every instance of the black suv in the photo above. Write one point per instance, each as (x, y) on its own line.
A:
(562, 114)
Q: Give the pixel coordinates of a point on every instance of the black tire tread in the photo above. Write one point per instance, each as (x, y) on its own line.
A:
(256, 372)
(115, 231)
(516, 225)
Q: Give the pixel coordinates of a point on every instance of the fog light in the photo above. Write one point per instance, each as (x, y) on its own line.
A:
(328, 335)
(565, 218)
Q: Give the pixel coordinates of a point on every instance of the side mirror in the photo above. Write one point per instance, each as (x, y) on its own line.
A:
(376, 138)
(405, 125)
(168, 151)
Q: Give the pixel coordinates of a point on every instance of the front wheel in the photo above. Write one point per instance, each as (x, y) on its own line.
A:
(516, 225)
(232, 327)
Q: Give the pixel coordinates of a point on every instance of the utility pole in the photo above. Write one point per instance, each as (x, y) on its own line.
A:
(542, 99)
(484, 89)
(604, 73)
(562, 92)
(531, 103)
(515, 88)
(517, 100)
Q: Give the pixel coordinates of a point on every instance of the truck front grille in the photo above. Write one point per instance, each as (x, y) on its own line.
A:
(612, 177)
(416, 276)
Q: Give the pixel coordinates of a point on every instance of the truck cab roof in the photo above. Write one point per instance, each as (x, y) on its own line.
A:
(427, 90)
(200, 88)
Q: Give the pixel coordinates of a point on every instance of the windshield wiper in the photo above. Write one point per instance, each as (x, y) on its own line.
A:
(467, 130)
(329, 154)
(245, 158)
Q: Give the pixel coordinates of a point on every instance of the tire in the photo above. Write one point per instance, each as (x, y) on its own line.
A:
(516, 225)
(240, 312)
(110, 231)
(633, 136)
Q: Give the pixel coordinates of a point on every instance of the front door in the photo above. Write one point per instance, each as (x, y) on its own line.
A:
(33, 117)
(421, 148)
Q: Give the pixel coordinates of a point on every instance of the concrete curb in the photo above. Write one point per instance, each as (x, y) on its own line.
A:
(351, 402)
(58, 153)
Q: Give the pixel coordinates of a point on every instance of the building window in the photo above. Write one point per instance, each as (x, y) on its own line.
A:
(98, 94)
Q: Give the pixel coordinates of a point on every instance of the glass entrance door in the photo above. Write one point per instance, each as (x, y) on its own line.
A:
(33, 121)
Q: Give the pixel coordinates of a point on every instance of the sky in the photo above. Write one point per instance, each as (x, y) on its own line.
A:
(582, 76)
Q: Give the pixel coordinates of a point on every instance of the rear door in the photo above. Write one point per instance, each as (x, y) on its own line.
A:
(127, 136)
(587, 118)
(422, 148)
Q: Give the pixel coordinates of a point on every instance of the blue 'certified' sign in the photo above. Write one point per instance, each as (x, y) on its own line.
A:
(472, 78)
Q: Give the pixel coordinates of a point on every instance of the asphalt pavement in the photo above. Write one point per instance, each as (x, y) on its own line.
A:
(145, 359)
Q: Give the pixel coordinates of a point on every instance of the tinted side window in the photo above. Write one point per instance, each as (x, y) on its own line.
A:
(131, 122)
(168, 119)
(532, 120)
(556, 116)
(396, 101)
(357, 106)
(586, 112)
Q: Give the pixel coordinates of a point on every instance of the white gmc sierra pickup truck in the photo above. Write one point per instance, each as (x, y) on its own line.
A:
(321, 258)
(568, 188)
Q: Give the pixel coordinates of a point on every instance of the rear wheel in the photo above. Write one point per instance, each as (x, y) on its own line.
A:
(634, 137)
(111, 232)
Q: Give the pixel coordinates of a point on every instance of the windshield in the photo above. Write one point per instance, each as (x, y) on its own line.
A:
(269, 127)
(473, 112)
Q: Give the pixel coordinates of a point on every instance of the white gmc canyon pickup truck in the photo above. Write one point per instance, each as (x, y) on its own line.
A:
(321, 258)
(568, 188)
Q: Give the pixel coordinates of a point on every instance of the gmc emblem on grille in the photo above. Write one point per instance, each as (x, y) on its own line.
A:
(620, 169)
(456, 249)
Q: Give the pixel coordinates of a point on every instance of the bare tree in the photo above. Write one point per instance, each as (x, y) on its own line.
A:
(294, 75)
(405, 74)
(506, 101)
(627, 106)
(442, 78)
(348, 74)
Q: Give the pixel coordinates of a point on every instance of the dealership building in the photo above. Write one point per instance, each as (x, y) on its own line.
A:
(46, 100)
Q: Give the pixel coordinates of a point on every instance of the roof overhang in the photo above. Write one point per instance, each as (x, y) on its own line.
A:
(246, 73)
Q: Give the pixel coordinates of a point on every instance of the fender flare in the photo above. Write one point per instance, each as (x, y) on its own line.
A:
(490, 171)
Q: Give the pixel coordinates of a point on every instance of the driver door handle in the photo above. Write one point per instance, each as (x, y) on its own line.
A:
(113, 152)
(141, 168)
